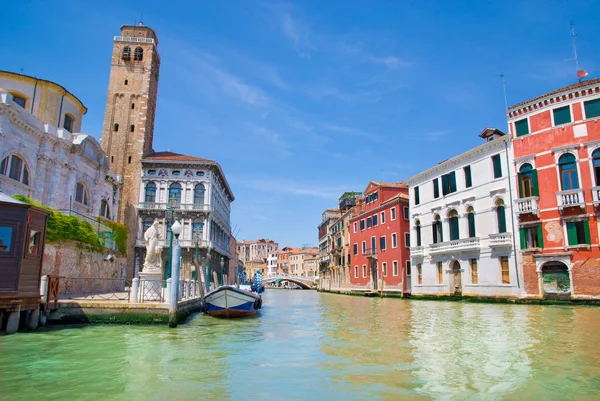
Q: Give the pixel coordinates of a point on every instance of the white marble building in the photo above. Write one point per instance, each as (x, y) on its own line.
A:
(200, 198)
(462, 235)
(42, 153)
(272, 263)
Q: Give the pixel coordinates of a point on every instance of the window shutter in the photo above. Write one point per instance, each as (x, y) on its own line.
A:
(468, 182)
(441, 232)
(501, 219)
(471, 219)
(523, 234)
(436, 189)
(562, 115)
(452, 182)
(497, 166)
(592, 108)
(417, 199)
(444, 184)
(418, 235)
(540, 233)
(572, 233)
(522, 127)
(520, 180)
(586, 229)
(454, 229)
(381, 242)
(434, 229)
(534, 183)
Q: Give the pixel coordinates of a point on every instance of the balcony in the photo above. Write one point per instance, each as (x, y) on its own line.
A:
(570, 198)
(176, 206)
(417, 251)
(528, 205)
(596, 195)
(459, 245)
(371, 253)
(503, 240)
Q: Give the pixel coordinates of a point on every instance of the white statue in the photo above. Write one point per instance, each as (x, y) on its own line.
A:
(153, 261)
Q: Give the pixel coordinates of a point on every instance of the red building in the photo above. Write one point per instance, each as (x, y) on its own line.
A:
(379, 237)
(556, 143)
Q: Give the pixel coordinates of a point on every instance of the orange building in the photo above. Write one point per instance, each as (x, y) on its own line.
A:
(556, 143)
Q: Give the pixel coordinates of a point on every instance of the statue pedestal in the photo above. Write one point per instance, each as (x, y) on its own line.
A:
(151, 288)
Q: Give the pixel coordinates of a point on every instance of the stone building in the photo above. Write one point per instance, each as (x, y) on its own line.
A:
(194, 191)
(129, 117)
(463, 238)
(256, 249)
(44, 156)
(556, 143)
(328, 218)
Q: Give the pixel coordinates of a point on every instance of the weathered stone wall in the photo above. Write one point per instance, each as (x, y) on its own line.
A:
(65, 259)
(530, 275)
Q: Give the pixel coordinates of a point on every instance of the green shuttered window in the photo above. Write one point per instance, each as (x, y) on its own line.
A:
(592, 108)
(522, 127)
(471, 219)
(449, 183)
(578, 232)
(417, 197)
(497, 166)
(468, 182)
(436, 189)
(562, 115)
(501, 214)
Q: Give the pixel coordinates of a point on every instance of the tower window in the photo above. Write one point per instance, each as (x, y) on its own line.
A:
(126, 53)
(125, 82)
(132, 106)
(69, 121)
(131, 128)
(129, 160)
(138, 55)
(20, 100)
(112, 159)
(116, 127)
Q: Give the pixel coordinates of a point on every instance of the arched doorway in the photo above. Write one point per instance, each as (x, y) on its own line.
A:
(556, 282)
(456, 278)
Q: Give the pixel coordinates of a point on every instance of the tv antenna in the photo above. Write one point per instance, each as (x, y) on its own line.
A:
(503, 81)
(581, 74)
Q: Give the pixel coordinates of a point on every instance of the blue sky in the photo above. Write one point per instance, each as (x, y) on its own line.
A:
(301, 101)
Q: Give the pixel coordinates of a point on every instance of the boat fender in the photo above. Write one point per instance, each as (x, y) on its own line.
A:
(256, 306)
(259, 303)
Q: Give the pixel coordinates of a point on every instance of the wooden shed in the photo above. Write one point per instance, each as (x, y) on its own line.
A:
(22, 238)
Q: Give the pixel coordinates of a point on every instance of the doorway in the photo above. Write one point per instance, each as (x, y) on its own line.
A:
(556, 282)
(456, 278)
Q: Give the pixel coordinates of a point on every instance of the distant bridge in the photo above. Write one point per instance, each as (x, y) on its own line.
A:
(305, 282)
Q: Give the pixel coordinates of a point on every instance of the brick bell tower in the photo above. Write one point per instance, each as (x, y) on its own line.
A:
(129, 118)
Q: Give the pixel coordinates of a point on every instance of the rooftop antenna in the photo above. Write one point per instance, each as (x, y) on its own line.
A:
(581, 74)
(141, 23)
(22, 69)
(503, 81)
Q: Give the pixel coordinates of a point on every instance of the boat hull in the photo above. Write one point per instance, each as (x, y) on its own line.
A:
(229, 301)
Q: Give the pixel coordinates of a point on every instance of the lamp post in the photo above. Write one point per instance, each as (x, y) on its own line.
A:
(176, 230)
(169, 217)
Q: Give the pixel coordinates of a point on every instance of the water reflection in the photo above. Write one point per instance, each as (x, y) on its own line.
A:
(307, 345)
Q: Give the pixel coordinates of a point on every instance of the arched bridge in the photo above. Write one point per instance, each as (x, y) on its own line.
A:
(305, 282)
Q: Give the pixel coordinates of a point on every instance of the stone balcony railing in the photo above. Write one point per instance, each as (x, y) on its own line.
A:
(459, 245)
(528, 205)
(176, 206)
(501, 240)
(596, 195)
(570, 198)
(417, 251)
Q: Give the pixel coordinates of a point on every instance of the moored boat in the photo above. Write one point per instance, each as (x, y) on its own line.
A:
(230, 301)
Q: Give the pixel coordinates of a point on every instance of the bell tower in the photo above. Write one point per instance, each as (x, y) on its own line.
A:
(129, 117)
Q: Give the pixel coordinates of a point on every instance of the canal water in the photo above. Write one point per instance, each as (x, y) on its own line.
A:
(307, 345)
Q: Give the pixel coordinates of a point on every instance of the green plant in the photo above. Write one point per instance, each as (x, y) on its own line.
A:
(120, 234)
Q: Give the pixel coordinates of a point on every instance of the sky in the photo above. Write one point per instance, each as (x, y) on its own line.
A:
(301, 101)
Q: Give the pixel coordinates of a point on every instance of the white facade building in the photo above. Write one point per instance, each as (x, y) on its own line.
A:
(462, 235)
(272, 263)
(42, 155)
(257, 249)
(196, 191)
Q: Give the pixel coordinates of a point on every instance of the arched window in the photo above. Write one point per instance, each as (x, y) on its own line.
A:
(81, 194)
(437, 230)
(69, 122)
(132, 128)
(418, 232)
(138, 54)
(14, 167)
(453, 223)
(150, 192)
(175, 193)
(116, 127)
(199, 194)
(104, 209)
(596, 163)
(567, 166)
(501, 216)
(471, 220)
(526, 180)
(126, 53)
(197, 229)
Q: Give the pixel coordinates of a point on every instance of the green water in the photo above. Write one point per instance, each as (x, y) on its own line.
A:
(307, 345)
